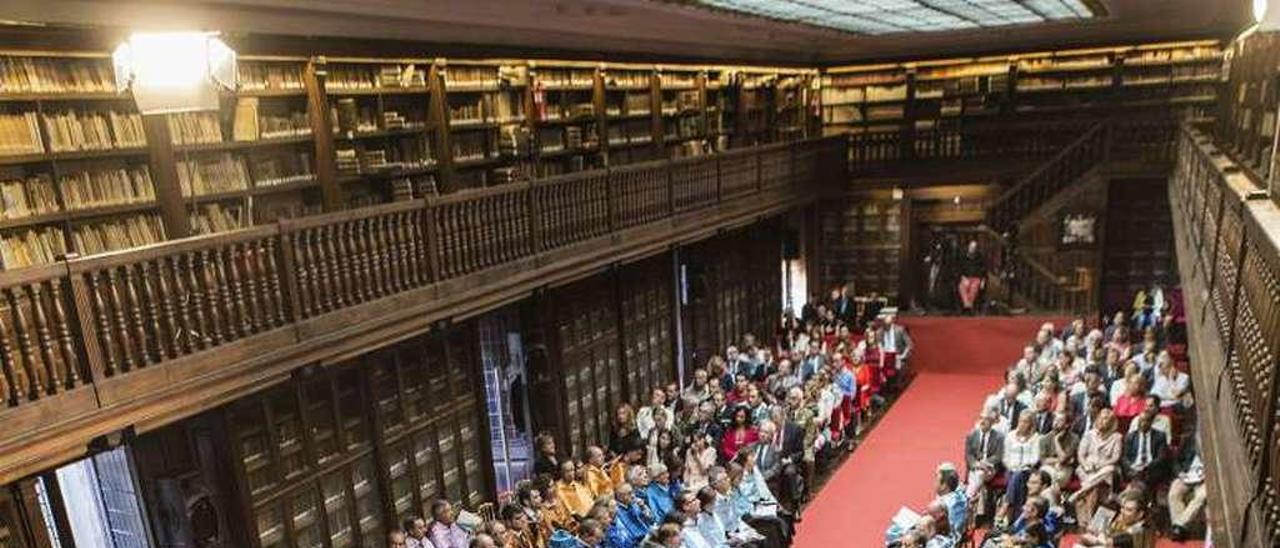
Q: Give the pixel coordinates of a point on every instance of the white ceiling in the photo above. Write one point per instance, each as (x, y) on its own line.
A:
(636, 29)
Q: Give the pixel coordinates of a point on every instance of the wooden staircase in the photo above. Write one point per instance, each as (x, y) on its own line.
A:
(1104, 149)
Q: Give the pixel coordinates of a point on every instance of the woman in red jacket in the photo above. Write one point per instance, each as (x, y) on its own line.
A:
(741, 434)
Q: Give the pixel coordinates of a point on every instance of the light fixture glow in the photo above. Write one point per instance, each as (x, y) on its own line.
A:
(174, 71)
(1259, 10)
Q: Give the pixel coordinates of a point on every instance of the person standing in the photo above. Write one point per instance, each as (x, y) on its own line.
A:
(973, 277)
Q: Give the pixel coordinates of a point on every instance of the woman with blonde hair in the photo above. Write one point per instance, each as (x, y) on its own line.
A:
(1099, 458)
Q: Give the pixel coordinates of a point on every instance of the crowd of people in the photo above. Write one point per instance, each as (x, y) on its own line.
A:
(727, 460)
(1091, 430)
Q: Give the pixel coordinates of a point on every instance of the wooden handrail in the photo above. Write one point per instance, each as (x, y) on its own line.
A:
(1039, 171)
(1228, 238)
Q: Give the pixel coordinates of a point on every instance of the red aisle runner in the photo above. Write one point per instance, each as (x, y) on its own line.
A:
(959, 361)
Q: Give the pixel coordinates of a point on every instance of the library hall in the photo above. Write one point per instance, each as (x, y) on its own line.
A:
(639, 274)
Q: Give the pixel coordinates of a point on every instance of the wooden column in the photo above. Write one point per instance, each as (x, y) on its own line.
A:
(438, 118)
(322, 125)
(164, 174)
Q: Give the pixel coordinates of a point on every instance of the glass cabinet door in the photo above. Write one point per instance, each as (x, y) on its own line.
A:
(400, 478)
(337, 508)
(308, 531)
(271, 532)
(426, 459)
(368, 508)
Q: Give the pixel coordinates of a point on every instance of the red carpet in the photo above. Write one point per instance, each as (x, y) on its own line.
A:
(959, 361)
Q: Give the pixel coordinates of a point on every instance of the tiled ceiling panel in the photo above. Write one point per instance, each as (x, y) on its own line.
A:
(877, 17)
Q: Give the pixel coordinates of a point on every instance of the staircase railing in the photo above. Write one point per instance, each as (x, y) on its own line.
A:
(1015, 276)
(1082, 155)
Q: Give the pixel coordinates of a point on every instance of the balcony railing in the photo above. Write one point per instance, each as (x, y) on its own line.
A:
(86, 320)
(1229, 235)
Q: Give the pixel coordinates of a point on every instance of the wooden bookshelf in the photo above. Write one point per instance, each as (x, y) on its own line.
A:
(1179, 79)
(568, 122)
(488, 122)
(682, 96)
(386, 124)
(73, 170)
(629, 114)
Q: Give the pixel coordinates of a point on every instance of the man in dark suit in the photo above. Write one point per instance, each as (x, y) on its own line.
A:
(778, 455)
(842, 305)
(983, 453)
(1146, 453)
(1043, 413)
(1009, 407)
(1092, 389)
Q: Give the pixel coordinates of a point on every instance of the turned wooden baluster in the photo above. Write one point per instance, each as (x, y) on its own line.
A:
(70, 360)
(372, 270)
(35, 385)
(100, 316)
(149, 297)
(324, 289)
(233, 289)
(15, 377)
(369, 268)
(201, 297)
(171, 343)
(339, 265)
(248, 263)
(189, 315)
(135, 314)
(407, 248)
(394, 247)
(484, 232)
(445, 241)
(391, 267)
(267, 265)
(355, 253)
(452, 233)
(226, 301)
(44, 338)
(385, 245)
(308, 276)
(371, 234)
(118, 321)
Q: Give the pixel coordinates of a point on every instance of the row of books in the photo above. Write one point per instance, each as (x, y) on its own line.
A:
(212, 175)
(471, 111)
(357, 77)
(628, 79)
(55, 75)
(78, 131)
(354, 118)
(107, 187)
(270, 76)
(677, 79)
(216, 217)
(579, 78)
(249, 124)
(194, 128)
(32, 246)
(473, 76)
(26, 197)
(118, 233)
(281, 169)
(20, 134)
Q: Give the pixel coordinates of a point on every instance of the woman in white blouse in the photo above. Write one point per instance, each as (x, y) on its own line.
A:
(1170, 384)
(645, 421)
(1021, 456)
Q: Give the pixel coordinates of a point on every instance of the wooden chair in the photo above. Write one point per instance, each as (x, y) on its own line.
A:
(487, 511)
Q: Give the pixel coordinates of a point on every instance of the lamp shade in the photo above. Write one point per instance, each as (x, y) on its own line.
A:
(174, 71)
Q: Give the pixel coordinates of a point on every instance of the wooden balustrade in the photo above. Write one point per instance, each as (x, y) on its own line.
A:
(1085, 153)
(68, 324)
(38, 329)
(1000, 139)
(1232, 280)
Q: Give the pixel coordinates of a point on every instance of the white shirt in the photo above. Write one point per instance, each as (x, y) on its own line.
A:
(1169, 388)
(1021, 454)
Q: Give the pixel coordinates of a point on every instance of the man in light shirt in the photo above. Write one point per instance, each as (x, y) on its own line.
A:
(1187, 493)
